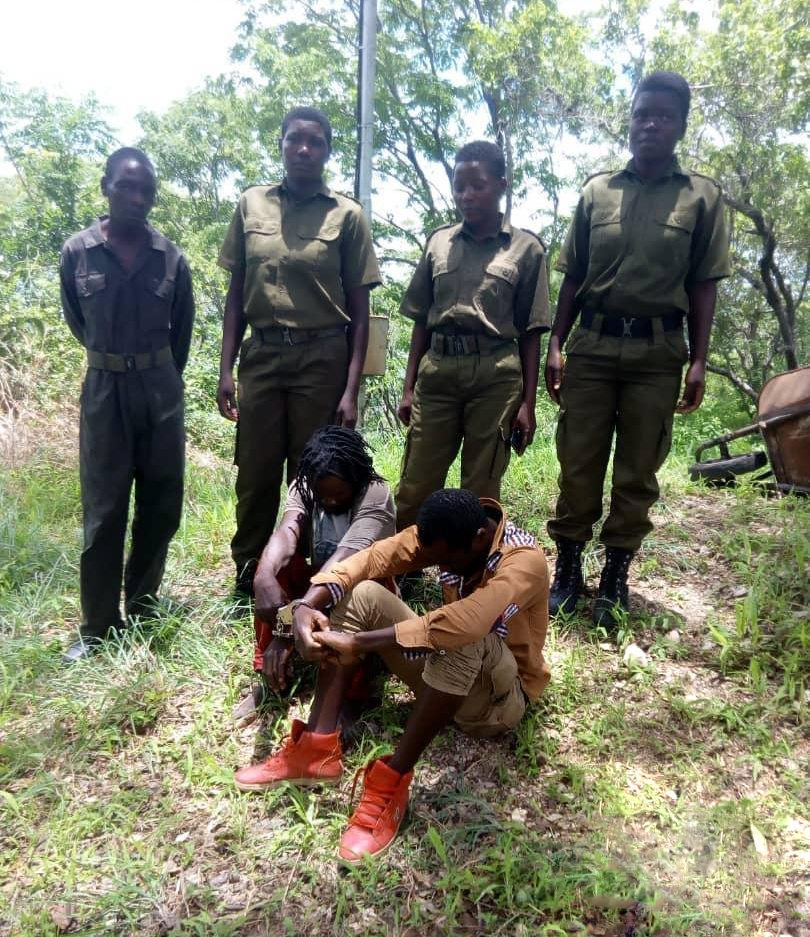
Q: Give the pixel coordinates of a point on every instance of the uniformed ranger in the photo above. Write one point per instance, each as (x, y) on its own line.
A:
(644, 252)
(126, 295)
(479, 302)
(302, 266)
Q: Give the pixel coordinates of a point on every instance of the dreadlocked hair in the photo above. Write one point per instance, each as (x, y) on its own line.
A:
(334, 450)
(454, 515)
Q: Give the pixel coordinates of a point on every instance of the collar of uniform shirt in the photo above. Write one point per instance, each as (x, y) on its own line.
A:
(505, 231)
(674, 170)
(323, 190)
(94, 236)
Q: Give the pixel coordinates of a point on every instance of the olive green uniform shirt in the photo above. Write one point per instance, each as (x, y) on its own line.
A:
(300, 258)
(497, 286)
(637, 246)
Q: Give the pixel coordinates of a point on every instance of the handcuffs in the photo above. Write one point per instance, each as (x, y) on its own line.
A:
(284, 619)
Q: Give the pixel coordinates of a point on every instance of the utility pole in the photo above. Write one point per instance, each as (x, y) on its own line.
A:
(365, 129)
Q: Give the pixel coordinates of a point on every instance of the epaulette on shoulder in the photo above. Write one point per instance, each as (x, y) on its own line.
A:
(536, 236)
(700, 175)
(602, 172)
(259, 185)
(442, 227)
(349, 198)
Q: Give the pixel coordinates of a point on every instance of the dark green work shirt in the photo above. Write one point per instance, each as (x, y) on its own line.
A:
(637, 246)
(299, 258)
(497, 286)
(111, 310)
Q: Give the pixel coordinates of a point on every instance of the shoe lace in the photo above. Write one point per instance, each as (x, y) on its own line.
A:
(372, 802)
(567, 571)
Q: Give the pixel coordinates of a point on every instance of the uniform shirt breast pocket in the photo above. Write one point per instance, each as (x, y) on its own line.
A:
(319, 248)
(497, 291)
(607, 234)
(159, 299)
(259, 240)
(445, 277)
(90, 288)
(674, 232)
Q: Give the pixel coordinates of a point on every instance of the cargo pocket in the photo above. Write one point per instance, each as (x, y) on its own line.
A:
(500, 455)
(664, 443)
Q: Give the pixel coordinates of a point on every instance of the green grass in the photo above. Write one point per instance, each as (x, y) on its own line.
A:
(118, 814)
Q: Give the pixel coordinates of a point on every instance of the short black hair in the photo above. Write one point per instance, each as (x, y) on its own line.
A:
(308, 113)
(667, 81)
(127, 153)
(454, 515)
(338, 451)
(482, 151)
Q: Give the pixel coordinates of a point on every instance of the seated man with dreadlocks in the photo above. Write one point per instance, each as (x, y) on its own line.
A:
(336, 505)
(476, 660)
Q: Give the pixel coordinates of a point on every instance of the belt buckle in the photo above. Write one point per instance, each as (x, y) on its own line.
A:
(458, 345)
(129, 362)
(286, 336)
(628, 326)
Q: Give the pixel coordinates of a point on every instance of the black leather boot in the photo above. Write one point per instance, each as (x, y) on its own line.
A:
(567, 585)
(612, 598)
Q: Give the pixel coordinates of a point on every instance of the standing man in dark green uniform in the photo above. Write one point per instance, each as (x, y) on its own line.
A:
(645, 250)
(127, 297)
(479, 302)
(302, 266)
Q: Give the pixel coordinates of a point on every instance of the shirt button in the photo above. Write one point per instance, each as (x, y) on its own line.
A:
(442, 653)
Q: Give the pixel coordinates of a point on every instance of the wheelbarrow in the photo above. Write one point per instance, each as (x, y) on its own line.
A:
(783, 411)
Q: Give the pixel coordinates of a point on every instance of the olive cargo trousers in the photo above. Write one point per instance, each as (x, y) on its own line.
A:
(627, 387)
(470, 397)
(286, 392)
(131, 431)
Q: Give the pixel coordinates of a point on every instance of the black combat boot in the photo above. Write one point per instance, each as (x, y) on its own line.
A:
(567, 585)
(612, 598)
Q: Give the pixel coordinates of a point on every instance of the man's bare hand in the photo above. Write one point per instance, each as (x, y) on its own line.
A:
(226, 398)
(555, 365)
(270, 597)
(694, 388)
(307, 622)
(341, 648)
(276, 662)
(346, 414)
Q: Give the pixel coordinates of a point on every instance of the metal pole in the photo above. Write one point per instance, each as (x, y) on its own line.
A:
(367, 68)
(367, 73)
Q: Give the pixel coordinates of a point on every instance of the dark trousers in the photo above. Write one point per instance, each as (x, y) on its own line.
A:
(615, 388)
(286, 392)
(131, 433)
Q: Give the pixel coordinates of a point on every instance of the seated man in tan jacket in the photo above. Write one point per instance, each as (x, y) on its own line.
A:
(476, 660)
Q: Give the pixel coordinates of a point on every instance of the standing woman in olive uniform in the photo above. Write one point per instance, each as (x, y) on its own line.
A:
(645, 250)
(479, 303)
(302, 266)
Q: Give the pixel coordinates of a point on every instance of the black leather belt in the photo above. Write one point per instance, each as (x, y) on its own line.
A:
(631, 326)
(278, 335)
(108, 361)
(458, 344)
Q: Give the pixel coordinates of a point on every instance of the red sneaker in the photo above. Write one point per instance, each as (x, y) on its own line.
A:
(305, 758)
(375, 823)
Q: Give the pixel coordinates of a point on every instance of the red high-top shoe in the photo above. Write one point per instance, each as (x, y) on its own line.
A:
(375, 823)
(305, 758)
